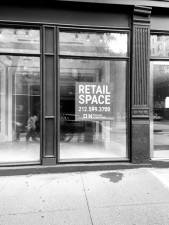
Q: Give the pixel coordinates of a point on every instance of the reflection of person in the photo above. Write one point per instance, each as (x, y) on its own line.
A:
(31, 128)
(18, 130)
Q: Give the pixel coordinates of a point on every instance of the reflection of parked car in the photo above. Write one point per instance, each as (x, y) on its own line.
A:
(156, 117)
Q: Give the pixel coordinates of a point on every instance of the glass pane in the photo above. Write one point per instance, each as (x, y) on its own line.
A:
(92, 109)
(93, 44)
(160, 45)
(160, 116)
(19, 109)
(19, 41)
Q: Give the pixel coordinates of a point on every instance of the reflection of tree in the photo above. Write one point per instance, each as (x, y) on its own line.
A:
(95, 44)
(19, 40)
(159, 45)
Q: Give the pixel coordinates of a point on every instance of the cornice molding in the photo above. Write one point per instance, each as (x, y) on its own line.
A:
(142, 10)
(142, 15)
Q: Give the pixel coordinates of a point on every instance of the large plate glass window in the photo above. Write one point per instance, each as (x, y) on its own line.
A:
(160, 96)
(92, 96)
(19, 96)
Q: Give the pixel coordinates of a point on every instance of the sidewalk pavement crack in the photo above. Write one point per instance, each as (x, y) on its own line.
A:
(37, 212)
(74, 209)
(86, 199)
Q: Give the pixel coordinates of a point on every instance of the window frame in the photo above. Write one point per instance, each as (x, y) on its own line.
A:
(61, 27)
(127, 91)
(9, 25)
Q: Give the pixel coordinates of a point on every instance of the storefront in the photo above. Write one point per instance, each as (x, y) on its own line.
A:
(78, 83)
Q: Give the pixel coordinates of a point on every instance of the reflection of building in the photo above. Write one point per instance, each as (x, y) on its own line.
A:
(160, 45)
(46, 50)
(20, 95)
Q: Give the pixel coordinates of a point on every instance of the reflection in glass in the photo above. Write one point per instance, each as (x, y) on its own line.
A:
(160, 45)
(19, 109)
(93, 44)
(92, 139)
(19, 40)
(160, 116)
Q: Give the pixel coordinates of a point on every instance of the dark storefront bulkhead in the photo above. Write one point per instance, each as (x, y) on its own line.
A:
(83, 83)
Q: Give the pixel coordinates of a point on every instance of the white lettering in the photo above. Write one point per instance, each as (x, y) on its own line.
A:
(93, 87)
(94, 100)
(99, 99)
(81, 89)
(99, 90)
(107, 99)
(81, 99)
(107, 90)
(87, 89)
(88, 98)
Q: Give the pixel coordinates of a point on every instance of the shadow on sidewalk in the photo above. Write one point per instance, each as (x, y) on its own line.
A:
(113, 176)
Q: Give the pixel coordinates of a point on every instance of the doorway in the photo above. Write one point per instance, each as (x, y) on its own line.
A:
(159, 110)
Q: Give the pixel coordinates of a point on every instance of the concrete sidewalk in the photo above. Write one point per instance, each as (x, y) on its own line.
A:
(123, 197)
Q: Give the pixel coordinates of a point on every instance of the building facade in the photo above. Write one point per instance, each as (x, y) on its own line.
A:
(84, 82)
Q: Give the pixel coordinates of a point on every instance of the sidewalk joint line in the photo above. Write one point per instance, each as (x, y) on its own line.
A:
(86, 199)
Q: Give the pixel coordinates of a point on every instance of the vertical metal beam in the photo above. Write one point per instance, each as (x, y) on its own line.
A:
(49, 95)
(57, 93)
(140, 84)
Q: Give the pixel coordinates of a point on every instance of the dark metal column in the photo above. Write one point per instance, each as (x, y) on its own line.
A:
(49, 95)
(140, 144)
